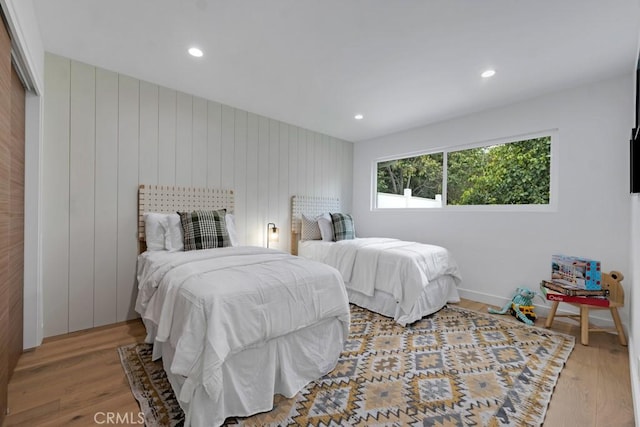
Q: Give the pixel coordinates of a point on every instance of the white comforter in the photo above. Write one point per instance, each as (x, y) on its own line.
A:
(397, 267)
(210, 304)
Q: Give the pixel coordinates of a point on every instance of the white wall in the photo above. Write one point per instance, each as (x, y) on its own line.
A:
(499, 251)
(105, 133)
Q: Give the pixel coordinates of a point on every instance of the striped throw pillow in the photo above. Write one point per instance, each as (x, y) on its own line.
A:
(204, 229)
(343, 228)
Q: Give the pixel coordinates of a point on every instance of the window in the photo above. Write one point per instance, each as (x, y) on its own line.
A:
(507, 173)
(412, 182)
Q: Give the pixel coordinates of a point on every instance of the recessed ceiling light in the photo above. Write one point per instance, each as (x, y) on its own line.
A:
(488, 73)
(194, 51)
(358, 117)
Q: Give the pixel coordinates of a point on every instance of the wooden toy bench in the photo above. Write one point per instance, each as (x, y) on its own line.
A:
(610, 281)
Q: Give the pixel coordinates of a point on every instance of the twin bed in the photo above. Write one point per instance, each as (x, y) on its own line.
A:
(402, 280)
(235, 325)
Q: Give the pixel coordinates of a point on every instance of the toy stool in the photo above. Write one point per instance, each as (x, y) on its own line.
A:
(610, 281)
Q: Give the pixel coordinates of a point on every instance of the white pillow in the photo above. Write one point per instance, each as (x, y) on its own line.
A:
(309, 229)
(230, 220)
(174, 236)
(168, 229)
(154, 231)
(326, 228)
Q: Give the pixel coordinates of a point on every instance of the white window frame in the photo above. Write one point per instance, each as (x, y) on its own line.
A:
(552, 206)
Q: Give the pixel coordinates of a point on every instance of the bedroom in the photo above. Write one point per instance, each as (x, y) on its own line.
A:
(594, 118)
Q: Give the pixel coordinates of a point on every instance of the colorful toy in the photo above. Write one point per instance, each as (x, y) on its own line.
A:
(520, 306)
(581, 272)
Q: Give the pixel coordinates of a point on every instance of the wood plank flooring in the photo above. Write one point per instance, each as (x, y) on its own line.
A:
(73, 378)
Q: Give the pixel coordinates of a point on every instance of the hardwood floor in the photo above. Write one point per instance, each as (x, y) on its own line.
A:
(71, 379)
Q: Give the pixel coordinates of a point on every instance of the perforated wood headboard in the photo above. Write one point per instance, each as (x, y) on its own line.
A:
(310, 206)
(167, 199)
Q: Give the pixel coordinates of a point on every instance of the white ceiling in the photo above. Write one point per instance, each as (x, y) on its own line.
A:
(316, 63)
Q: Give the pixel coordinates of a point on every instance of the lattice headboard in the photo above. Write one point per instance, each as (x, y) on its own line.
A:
(168, 199)
(310, 206)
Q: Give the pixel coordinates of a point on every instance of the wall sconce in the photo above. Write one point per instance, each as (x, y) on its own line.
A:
(273, 234)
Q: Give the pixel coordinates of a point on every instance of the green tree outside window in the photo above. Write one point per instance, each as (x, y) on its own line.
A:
(514, 173)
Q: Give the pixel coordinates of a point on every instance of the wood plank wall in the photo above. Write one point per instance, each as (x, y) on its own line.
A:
(16, 221)
(106, 133)
(12, 151)
(5, 176)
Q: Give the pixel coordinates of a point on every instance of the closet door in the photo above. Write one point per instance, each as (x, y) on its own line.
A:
(16, 221)
(5, 176)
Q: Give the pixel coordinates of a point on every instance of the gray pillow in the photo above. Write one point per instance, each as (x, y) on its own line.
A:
(309, 229)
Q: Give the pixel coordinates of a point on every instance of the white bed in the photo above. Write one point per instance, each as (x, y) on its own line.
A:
(236, 325)
(402, 280)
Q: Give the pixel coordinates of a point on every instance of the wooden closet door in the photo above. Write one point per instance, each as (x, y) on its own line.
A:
(16, 221)
(5, 176)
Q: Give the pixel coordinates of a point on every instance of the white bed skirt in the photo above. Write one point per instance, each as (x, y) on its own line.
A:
(282, 365)
(435, 296)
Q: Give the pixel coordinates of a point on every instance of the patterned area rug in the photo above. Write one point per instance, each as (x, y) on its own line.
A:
(454, 368)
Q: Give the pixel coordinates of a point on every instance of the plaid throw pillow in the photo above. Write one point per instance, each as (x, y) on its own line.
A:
(204, 229)
(343, 228)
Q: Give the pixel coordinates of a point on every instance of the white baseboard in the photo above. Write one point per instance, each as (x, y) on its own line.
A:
(601, 318)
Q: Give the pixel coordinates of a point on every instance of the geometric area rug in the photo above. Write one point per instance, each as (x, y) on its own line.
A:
(456, 367)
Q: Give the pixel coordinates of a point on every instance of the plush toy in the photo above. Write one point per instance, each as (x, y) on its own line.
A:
(520, 306)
